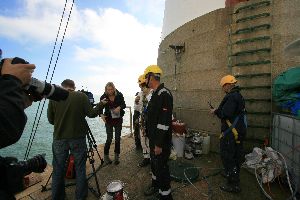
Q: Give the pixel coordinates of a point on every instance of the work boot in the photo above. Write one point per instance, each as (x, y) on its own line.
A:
(107, 160)
(154, 197)
(231, 188)
(144, 163)
(151, 190)
(116, 161)
(168, 197)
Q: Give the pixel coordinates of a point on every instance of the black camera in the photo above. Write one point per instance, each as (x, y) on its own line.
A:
(90, 96)
(38, 89)
(13, 172)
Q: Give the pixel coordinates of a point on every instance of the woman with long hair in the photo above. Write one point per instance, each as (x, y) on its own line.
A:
(113, 119)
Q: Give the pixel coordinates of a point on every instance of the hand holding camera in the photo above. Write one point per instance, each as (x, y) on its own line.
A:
(22, 71)
(33, 87)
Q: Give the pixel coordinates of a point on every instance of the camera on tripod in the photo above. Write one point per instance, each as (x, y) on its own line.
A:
(38, 89)
(90, 96)
(13, 172)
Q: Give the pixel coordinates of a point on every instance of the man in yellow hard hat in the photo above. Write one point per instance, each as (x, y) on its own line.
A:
(159, 120)
(232, 112)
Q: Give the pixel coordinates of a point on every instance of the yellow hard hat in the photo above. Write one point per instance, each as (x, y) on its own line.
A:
(227, 79)
(141, 79)
(153, 69)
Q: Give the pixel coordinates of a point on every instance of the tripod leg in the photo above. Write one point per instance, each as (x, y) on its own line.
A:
(44, 187)
(101, 159)
(90, 155)
(96, 180)
(92, 140)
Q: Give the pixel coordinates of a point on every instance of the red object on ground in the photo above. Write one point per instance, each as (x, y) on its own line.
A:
(70, 167)
(178, 127)
(232, 3)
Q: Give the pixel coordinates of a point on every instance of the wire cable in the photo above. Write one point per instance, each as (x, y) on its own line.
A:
(32, 135)
(209, 195)
(38, 109)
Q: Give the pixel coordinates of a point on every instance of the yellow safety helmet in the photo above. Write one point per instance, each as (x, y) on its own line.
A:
(153, 69)
(228, 79)
(141, 79)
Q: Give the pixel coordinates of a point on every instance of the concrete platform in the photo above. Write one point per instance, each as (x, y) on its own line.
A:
(136, 179)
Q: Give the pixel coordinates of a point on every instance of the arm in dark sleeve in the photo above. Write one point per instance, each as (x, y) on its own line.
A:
(12, 116)
(164, 119)
(227, 110)
(122, 102)
(50, 112)
(102, 107)
(89, 110)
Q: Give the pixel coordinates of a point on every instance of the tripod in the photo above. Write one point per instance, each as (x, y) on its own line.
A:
(90, 155)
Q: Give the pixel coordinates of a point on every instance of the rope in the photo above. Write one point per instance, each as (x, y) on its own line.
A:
(32, 135)
(38, 109)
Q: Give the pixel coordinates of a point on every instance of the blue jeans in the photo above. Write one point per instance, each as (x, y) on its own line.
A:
(60, 149)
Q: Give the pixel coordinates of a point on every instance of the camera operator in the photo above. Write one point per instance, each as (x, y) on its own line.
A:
(18, 90)
(70, 130)
(12, 100)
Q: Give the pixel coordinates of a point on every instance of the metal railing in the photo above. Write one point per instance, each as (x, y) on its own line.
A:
(130, 118)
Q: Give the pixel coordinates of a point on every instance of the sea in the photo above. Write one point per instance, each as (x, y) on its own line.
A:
(42, 141)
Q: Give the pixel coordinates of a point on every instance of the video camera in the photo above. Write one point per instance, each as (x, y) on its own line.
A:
(90, 96)
(13, 172)
(38, 89)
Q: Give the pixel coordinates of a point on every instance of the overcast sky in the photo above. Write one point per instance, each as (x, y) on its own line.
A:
(107, 40)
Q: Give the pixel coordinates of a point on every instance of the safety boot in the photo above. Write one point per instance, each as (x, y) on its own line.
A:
(155, 196)
(116, 161)
(107, 160)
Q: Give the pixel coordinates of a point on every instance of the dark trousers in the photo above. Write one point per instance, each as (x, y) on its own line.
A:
(109, 132)
(160, 173)
(231, 155)
(136, 126)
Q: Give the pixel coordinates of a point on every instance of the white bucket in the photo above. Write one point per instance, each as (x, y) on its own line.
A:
(206, 145)
(178, 143)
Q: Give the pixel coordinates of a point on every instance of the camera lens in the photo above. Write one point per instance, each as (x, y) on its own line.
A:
(36, 164)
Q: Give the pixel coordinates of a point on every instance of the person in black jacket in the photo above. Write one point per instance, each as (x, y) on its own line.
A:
(158, 127)
(13, 100)
(12, 104)
(113, 118)
(232, 112)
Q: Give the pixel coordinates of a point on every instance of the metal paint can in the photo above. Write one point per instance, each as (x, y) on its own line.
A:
(115, 191)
